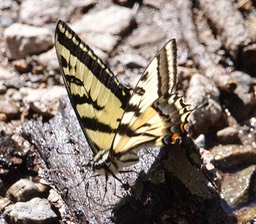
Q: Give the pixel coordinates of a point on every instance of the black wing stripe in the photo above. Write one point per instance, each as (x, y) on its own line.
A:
(89, 123)
(86, 56)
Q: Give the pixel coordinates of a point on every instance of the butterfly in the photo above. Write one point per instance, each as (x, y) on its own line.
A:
(116, 120)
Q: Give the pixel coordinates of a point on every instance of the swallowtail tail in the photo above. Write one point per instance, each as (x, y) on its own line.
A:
(118, 121)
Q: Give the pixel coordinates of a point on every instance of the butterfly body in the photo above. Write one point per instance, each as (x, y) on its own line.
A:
(115, 120)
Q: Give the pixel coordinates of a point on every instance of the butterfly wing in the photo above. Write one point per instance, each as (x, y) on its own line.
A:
(92, 88)
(154, 110)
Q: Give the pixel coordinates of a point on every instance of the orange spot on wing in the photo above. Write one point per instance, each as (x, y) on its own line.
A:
(174, 137)
(182, 127)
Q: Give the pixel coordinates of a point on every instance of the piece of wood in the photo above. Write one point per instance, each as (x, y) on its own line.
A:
(173, 188)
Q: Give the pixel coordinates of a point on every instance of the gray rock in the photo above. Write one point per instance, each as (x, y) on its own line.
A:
(6, 21)
(49, 59)
(155, 4)
(203, 90)
(133, 61)
(5, 74)
(9, 108)
(147, 35)
(98, 40)
(228, 157)
(43, 101)
(23, 40)
(100, 30)
(35, 211)
(5, 4)
(15, 82)
(239, 187)
(50, 11)
(114, 20)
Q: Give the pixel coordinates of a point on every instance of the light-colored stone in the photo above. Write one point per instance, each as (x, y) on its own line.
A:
(9, 108)
(114, 20)
(36, 211)
(98, 40)
(147, 35)
(133, 61)
(5, 74)
(49, 11)
(49, 59)
(23, 40)
(43, 101)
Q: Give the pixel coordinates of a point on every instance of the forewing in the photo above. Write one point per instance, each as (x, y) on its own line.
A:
(97, 97)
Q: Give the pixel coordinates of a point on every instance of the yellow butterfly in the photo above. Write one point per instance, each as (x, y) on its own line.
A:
(118, 121)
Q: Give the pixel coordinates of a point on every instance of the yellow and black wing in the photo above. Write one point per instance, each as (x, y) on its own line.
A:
(96, 96)
(155, 111)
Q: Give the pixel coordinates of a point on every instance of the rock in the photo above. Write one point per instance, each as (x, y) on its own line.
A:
(239, 188)
(3, 88)
(16, 82)
(43, 101)
(200, 141)
(147, 35)
(4, 202)
(114, 20)
(3, 117)
(247, 132)
(228, 157)
(246, 214)
(9, 108)
(128, 80)
(202, 90)
(21, 66)
(103, 41)
(241, 101)
(49, 60)
(133, 61)
(23, 40)
(251, 25)
(5, 74)
(155, 4)
(5, 4)
(35, 211)
(23, 190)
(50, 11)
(228, 135)
(55, 199)
(6, 21)
(245, 5)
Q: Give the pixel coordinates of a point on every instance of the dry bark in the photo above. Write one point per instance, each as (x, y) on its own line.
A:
(174, 187)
